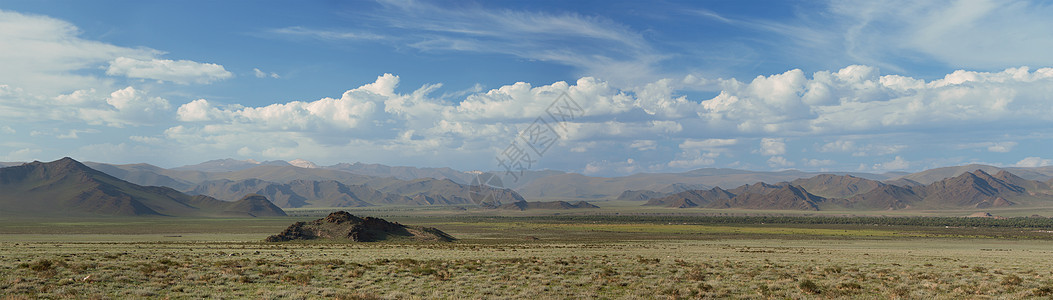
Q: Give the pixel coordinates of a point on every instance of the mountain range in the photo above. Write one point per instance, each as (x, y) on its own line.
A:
(977, 189)
(301, 183)
(66, 187)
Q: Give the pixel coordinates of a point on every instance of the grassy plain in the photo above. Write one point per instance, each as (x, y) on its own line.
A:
(524, 255)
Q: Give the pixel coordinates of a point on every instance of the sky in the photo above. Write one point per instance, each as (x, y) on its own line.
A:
(603, 88)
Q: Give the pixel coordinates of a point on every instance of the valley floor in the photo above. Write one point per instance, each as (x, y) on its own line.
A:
(525, 258)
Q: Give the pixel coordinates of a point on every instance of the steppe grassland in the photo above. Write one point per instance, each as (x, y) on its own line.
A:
(499, 259)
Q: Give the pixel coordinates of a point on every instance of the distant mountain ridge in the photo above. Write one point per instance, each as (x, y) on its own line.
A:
(66, 187)
(441, 186)
(977, 189)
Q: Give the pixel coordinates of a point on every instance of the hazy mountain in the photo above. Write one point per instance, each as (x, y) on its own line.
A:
(572, 185)
(755, 196)
(404, 173)
(141, 174)
(529, 205)
(977, 189)
(937, 174)
(331, 193)
(9, 164)
(229, 165)
(692, 198)
(68, 188)
(445, 191)
(640, 195)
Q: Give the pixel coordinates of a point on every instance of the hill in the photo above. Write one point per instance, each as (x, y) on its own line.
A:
(344, 226)
(66, 187)
(640, 195)
(837, 186)
(937, 174)
(755, 196)
(530, 205)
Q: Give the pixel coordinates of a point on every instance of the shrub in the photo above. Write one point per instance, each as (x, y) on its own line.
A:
(809, 287)
(1043, 291)
(1012, 280)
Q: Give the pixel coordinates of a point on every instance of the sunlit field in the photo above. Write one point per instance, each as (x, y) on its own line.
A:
(524, 257)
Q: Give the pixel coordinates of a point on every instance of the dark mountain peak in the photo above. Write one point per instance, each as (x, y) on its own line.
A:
(255, 205)
(524, 205)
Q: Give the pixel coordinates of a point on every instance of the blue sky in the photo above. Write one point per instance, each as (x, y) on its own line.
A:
(662, 86)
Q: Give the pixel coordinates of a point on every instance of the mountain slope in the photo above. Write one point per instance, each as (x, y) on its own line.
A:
(530, 205)
(68, 188)
(786, 197)
(836, 186)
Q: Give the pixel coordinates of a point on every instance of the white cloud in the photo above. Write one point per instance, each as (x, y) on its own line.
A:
(1000, 147)
(326, 34)
(145, 139)
(779, 162)
(593, 44)
(707, 144)
(24, 154)
(46, 57)
(694, 162)
(772, 146)
(72, 134)
(127, 106)
(996, 33)
(181, 71)
(51, 73)
(896, 164)
(1032, 162)
(262, 74)
(850, 146)
(857, 108)
(6, 129)
(626, 167)
(818, 162)
(643, 145)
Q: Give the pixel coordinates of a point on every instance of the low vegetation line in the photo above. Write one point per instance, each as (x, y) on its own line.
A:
(1018, 222)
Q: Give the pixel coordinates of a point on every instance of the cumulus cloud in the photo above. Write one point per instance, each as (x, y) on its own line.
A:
(1000, 147)
(772, 146)
(896, 164)
(49, 73)
(850, 146)
(1031, 162)
(626, 167)
(779, 162)
(855, 108)
(6, 129)
(818, 162)
(178, 71)
(262, 74)
(643, 145)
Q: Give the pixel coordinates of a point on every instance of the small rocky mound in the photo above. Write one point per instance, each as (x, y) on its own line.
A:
(342, 225)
